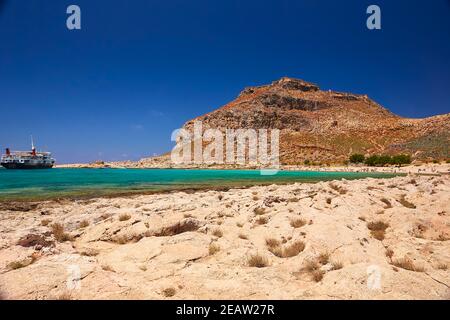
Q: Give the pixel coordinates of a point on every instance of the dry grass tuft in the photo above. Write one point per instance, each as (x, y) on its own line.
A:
(124, 217)
(21, 263)
(317, 275)
(337, 265)
(293, 249)
(89, 252)
(257, 260)
(83, 224)
(407, 264)
(298, 222)
(337, 188)
(169, 292)
(108, 268)
(313, 268)
(213, 248)
(323, 258)
(259, 211)
(389, 253)
(272, 242)
(442, 266)
(65, 296)
(220, 197)
(45, 222)
(177, 228)
(242, 236)
(262, 220)
(274, 246)
(217, 233)
(386, 202)
(122, 239)
(377, 229)
(406, 203)
(239, 224)
(59, 233)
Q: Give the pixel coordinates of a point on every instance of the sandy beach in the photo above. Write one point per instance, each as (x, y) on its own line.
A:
(360, 239)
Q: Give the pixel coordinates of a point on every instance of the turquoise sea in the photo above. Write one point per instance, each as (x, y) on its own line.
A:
(78, 183)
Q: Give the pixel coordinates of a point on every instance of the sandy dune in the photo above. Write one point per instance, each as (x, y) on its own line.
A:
(329, 240)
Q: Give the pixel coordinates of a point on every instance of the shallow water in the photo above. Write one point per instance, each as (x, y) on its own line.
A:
(73, 183)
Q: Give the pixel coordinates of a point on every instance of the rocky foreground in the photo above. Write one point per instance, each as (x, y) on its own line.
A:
(364, 239)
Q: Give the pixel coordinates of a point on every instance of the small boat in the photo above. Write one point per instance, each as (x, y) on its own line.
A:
(27, 159)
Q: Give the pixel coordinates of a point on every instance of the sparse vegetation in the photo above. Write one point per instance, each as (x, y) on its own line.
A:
(90, 252)
(274, 246)
(337, 265)
(83, 224)
(442, 266)
(328, 200)
(382, 160)
(313, 268)
(169, 292)
(32, 240)
(59, 233)
(259, 211)
(21, 263)
(121, 239)
(357, 158)
(45, 222)
(239, 224)
(65, 296)
(293, 249)
(407, 264)
(377, 229)
(272, 242)
(337, 188)
(124, 217)
(406, 203)
(389, 253)
(217, 233)
(257, 261)
(297, 222)
(386, 202)
(108, 268)
(323, 258)
(261, 220)
(213, 248)
(242, 236)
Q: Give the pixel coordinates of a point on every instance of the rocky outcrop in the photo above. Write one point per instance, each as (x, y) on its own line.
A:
(327, 126)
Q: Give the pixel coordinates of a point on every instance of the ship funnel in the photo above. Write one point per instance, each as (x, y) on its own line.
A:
(33, 149)
(8, 153)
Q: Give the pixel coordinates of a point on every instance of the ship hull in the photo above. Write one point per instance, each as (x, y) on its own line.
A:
(12, 165)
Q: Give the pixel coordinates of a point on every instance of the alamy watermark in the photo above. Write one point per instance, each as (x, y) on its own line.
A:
(250, 147)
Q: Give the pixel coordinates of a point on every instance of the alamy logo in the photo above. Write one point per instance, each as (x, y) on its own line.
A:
(73, 21)
(374, 20)
(242, 147)
(373, 277)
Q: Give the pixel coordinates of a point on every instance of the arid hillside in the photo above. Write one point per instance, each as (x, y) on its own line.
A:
(328, 126)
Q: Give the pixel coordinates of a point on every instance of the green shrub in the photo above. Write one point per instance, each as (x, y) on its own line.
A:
(357, 158)
(382, 160)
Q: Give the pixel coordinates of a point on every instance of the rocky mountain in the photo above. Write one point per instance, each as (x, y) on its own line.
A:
(327, 126)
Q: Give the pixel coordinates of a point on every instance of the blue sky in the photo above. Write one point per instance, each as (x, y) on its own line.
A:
(137, 70)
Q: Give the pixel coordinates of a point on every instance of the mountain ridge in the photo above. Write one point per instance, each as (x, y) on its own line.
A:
(327, 126)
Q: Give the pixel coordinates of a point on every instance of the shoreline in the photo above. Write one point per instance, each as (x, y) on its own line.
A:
(125, 192)
(431, 168)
